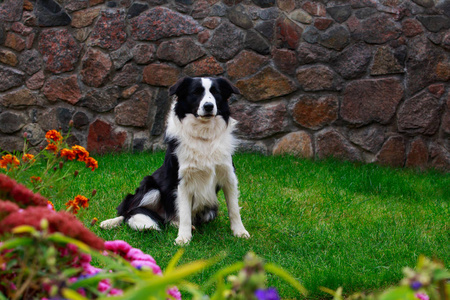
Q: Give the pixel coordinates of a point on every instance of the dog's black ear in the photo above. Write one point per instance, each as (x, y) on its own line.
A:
(226, 85)
(179, 86)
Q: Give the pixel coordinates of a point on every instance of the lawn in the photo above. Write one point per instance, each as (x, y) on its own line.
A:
(328, 223)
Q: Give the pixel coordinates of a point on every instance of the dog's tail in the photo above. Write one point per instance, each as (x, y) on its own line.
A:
(111, 223)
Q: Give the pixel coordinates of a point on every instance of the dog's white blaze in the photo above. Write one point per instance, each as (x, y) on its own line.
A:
(208, 97)
(142, 222)
(151, 199)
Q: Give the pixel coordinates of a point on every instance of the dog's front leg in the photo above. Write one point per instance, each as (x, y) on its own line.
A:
(184, 206)
(231, 193)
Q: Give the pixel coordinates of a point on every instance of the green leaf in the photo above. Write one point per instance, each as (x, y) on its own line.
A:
(60, 238)
(398, 293)
(24, 229)
(67, 273)
(174, 261)
(441, 274)
(17, 242)
(271, 268)
(71, 294)
(191, 288)
(222, 273)
(94, 280)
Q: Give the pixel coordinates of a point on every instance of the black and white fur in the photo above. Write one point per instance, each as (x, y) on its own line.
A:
(198, 163)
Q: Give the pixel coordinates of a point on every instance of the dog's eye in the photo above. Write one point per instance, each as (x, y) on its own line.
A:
(199, 91)
(213, 90)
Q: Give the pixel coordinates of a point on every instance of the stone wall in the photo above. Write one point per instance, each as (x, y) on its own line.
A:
(362, 80)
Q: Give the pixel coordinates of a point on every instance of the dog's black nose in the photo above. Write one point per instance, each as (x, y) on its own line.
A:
(208, 107)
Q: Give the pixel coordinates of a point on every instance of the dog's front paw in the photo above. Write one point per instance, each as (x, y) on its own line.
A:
(182, 240)
(242, 233)
(111, 223)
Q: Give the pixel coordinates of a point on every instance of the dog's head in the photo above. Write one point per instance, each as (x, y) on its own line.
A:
(205, 98)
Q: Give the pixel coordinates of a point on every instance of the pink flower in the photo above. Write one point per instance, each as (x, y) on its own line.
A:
(118, 247)
(90, 270)
(115, 292)
(136, 254)
(133, 252)
(422, 296)
(174, 292)
(104, 285)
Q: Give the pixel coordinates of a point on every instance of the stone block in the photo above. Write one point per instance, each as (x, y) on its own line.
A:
(418, 115)
(315, 112)
(266, 84)
(393, 152)
(331, 143)
(297, 143)
(62, 88)
(59, 49)
(96, 68)
(102, 138)
(369, 100)
(259, 121)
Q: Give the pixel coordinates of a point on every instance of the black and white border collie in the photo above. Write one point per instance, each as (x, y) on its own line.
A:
(198, 163)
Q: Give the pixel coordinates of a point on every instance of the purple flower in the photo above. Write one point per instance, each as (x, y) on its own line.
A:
(269, 294)
(415, 285)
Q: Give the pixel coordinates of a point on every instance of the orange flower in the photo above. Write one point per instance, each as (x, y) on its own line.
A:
(35, 179)
(91, 163)
(81, 201)
(52, 147)
(28, 158)
(80, 152)
(3, 164)
(72, 207)
(53, 135)
(9, 160)
(71, 155)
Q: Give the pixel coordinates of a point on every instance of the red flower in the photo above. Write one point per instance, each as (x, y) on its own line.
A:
(35, 179)
(9, 160)
(53, 135)
(6, 208)
(91, 163)
(81, 201)
(80, 152)
(52, 147)
(25, 197)
(6, 183)
(72, 206)
(71, 155)
(62, 222)
(28, 158)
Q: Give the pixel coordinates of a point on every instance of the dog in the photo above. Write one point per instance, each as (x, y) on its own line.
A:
(197, 165)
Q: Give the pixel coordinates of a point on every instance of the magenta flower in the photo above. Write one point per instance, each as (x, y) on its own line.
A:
(422, 296)
(174, 292)
(119, 247)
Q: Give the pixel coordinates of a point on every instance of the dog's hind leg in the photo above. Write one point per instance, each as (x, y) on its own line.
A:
(142, 222)
(111, 223)
(207, 215)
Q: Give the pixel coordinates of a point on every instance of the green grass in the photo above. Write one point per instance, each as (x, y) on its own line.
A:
(328, 223)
